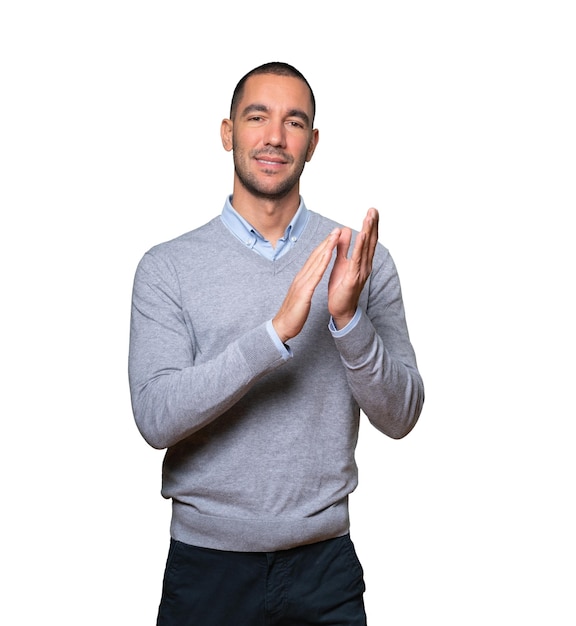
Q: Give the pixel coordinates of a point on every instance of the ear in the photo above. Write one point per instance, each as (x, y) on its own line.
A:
(226, 134)
(312, 145)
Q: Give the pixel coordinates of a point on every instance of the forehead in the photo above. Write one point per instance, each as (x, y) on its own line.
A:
(276, 92)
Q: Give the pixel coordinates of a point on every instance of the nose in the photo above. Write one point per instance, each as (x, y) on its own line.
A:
(275, 134)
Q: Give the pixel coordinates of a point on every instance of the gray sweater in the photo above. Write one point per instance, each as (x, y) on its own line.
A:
(260, 450)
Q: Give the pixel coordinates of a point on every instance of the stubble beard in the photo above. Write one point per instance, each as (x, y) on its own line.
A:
(251, 183)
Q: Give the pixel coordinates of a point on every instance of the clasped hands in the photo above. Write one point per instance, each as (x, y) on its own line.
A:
(348, 277)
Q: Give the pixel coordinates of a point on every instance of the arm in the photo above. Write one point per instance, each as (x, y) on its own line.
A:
(378, 357)
(377, 353)
(173, 395)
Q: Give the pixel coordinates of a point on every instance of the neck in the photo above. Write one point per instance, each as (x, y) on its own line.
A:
(270, 217)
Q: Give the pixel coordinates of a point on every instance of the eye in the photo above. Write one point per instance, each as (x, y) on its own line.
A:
(295, 124)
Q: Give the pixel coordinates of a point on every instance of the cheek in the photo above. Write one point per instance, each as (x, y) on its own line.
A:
(247, 137)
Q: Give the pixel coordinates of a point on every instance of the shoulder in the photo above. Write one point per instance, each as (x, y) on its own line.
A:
(200, 242)
(185, 251)
(205, 235)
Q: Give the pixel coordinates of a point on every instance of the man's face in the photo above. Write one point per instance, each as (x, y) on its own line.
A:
(271, 135)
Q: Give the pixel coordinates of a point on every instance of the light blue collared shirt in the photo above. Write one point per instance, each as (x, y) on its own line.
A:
(252, 239)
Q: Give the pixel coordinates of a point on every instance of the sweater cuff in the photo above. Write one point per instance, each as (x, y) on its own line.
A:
(260, 351)
(358, 344)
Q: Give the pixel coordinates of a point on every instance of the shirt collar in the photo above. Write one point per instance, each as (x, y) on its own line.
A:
(248, 235)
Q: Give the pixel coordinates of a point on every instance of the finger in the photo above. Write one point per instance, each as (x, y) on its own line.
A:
(325, 246)
(318, 261)
(370, 227)
(323, 253)
(364, 246)
(344, 244)
(374, 230)
(354, 263)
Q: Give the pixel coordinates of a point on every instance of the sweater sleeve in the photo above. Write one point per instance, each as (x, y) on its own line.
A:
(378, 357)
(173, 395)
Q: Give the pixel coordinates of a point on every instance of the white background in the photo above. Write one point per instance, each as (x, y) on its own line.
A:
(456, 120)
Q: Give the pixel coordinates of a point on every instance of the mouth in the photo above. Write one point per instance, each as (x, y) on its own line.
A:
(270, 160)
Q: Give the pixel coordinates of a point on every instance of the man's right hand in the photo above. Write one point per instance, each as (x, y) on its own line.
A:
(294, 311)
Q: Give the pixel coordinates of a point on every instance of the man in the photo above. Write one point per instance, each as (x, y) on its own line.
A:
(255, 341)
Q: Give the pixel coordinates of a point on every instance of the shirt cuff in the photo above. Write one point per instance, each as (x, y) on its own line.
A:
(350, 326)
(284, 350)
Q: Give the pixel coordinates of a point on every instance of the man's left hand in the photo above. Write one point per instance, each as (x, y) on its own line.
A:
(349, 275)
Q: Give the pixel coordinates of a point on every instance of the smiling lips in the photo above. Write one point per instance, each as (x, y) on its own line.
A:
(272, 159)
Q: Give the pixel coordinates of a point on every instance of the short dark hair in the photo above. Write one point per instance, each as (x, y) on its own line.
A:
(277, 68)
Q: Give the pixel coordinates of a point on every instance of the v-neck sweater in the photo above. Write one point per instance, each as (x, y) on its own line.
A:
(259, 448)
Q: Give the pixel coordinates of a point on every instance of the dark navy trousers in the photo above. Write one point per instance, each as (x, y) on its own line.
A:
(320, 583)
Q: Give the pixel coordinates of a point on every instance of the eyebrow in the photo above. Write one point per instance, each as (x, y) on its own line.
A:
(262, 108)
